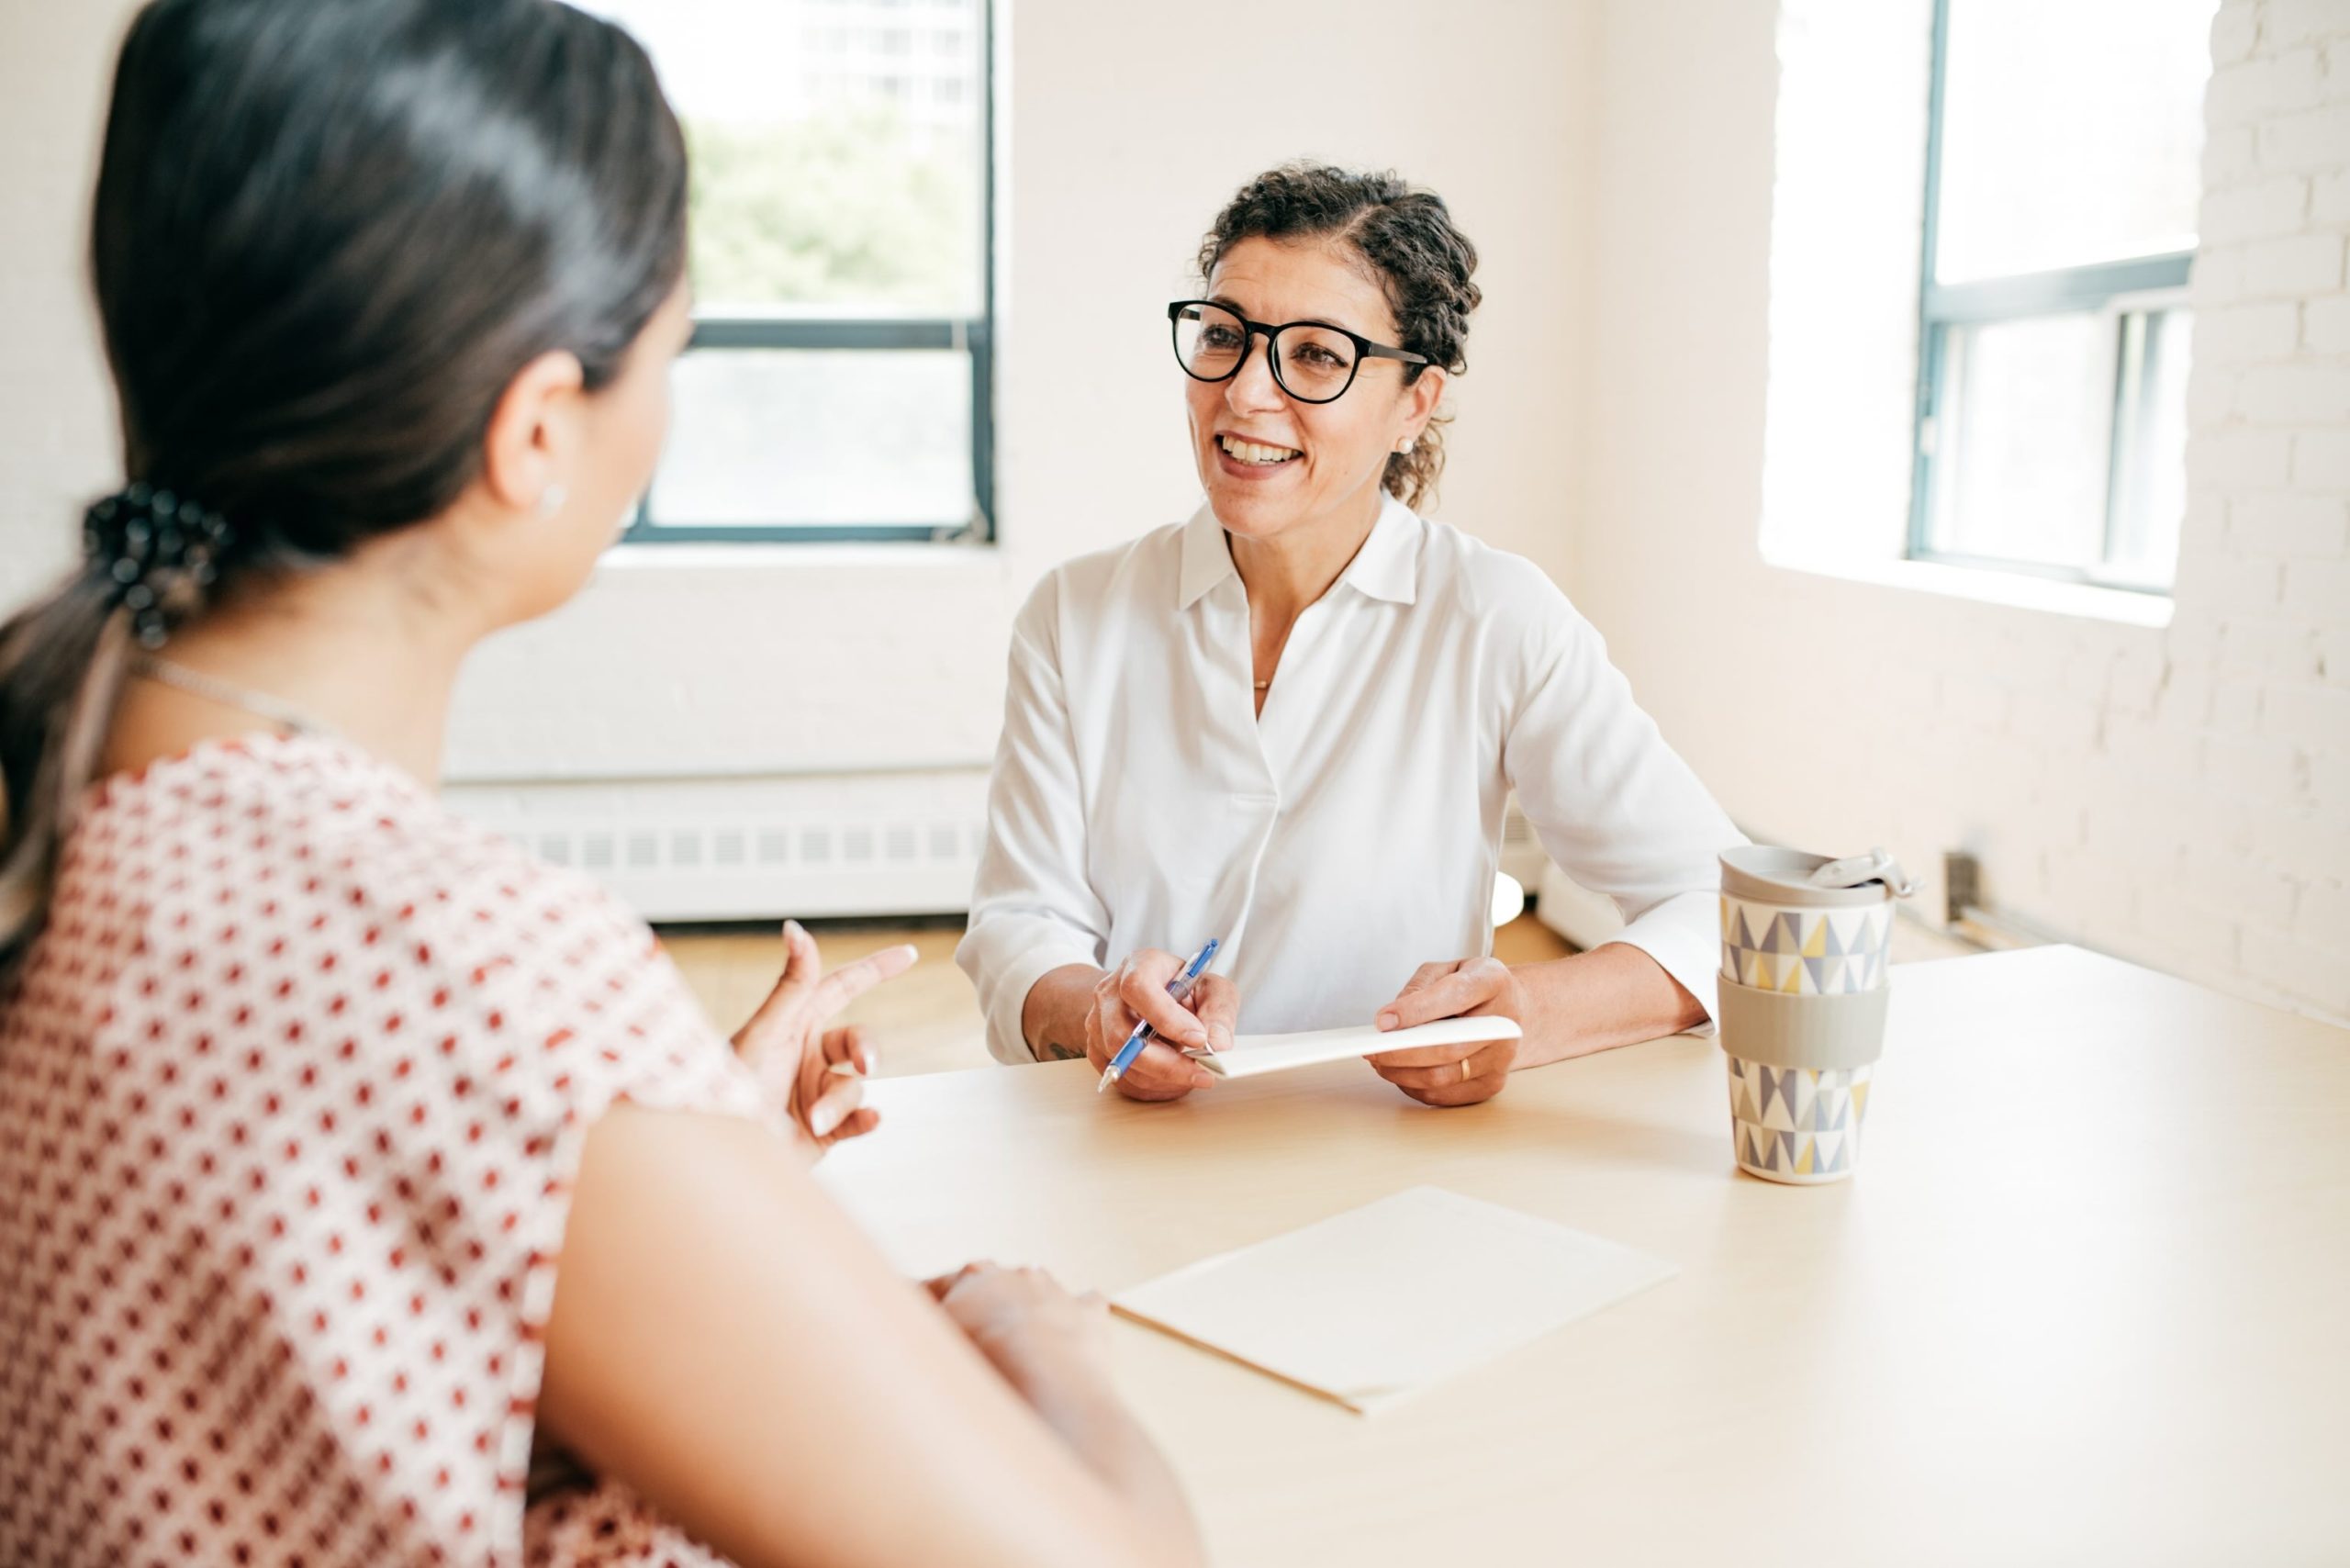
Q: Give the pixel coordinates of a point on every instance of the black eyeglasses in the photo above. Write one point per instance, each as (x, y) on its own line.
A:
(1313, 361)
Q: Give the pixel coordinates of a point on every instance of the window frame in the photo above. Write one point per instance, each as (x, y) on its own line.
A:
(2138, 289)
(973, 334)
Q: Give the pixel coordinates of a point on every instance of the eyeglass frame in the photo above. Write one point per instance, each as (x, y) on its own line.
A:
(1364, 348)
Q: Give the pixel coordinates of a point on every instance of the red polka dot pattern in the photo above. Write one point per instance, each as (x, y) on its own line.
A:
(292, 1090)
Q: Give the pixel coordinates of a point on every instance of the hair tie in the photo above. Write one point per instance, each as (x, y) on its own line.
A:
(152, 548)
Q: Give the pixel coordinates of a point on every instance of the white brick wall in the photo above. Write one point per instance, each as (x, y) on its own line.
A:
(2265, 613)
(2177, 796)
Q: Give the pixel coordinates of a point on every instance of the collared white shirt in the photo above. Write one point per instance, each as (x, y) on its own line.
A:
(1352, 831)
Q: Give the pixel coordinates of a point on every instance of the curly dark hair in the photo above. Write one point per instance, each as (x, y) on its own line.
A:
(1405, 238)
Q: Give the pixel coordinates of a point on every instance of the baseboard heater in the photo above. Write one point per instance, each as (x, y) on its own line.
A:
(877, 845)
(816, 848)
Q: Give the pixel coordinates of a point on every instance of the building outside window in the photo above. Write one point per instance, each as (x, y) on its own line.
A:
(839, 383)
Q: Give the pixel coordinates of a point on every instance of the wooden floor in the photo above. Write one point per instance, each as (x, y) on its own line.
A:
(927, 1019)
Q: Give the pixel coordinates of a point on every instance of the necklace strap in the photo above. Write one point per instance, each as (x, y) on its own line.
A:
(260, 704)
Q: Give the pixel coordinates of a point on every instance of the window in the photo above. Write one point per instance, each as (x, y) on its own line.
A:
(838, 385)
(2063, 171)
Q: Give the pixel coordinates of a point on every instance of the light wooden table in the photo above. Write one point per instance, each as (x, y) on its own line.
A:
(2088, 1299)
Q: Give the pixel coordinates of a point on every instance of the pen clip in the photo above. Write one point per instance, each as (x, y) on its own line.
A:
(1193, 972)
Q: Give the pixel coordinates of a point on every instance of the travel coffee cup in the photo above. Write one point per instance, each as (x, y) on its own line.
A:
(1803, 1001)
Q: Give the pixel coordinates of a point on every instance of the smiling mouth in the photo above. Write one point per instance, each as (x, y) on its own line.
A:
(1258, 454)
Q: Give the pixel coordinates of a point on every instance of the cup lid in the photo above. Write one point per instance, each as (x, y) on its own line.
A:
(1770, 874)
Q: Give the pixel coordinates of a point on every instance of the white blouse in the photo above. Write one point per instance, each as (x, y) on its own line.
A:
(1352, 831)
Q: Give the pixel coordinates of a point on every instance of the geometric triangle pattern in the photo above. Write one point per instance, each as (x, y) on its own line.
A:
(1804, 952)
(1796, 1124)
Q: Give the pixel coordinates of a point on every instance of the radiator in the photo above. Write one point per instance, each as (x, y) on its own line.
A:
(877, 845)
(864, 844)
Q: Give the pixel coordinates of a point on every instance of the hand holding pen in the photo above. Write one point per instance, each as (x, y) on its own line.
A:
(1189, 1033)
(1140, 993)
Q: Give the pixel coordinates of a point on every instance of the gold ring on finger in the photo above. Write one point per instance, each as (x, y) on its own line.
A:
(1464, 1069)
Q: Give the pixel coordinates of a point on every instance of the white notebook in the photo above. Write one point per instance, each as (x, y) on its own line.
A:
(1253, 1054)
(1380, 1301)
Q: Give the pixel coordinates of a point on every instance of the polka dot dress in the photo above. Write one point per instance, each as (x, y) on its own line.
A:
(291, 1093)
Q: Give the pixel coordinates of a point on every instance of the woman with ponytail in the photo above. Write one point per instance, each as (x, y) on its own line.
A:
(369, 1192)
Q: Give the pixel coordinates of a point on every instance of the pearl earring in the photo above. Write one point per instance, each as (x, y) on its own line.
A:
(1406, 447)
(551, 499)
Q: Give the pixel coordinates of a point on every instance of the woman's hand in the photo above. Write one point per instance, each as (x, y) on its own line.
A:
(1045, 1341)
(787, 1043)
(1459, 1074)
(1053, 1350)
(1137, 991)
(691, 1238)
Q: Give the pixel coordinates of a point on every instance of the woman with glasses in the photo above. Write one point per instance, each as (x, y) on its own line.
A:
(1294, 722)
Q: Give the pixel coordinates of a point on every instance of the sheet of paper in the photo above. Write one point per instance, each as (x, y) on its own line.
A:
(1378, 1303)
(1253, 1054)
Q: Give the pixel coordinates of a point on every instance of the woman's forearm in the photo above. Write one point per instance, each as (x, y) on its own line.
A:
(1052, 1020)
(1613, 995)
(1108, 1441)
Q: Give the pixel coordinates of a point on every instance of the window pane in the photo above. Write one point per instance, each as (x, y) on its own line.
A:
(2151, 496)
(2023, 445)
(836, 148)
(762, 438)
(2072, 133)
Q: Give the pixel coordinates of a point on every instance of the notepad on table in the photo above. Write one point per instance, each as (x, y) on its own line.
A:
(1379, 1301)
(1252, 1054)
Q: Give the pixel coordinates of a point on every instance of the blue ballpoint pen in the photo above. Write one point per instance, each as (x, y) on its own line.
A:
(1179, 988)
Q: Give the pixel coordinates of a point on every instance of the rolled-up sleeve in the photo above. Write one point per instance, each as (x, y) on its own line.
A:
(1615, 807)
(1033, 909)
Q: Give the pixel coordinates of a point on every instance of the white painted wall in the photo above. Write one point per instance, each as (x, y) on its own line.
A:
(57, 443)
(880, 669)
(2178, 796)
(680, 661)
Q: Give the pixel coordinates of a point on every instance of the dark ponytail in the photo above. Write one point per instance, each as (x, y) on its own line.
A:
(1405, 238)
(327, 234)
